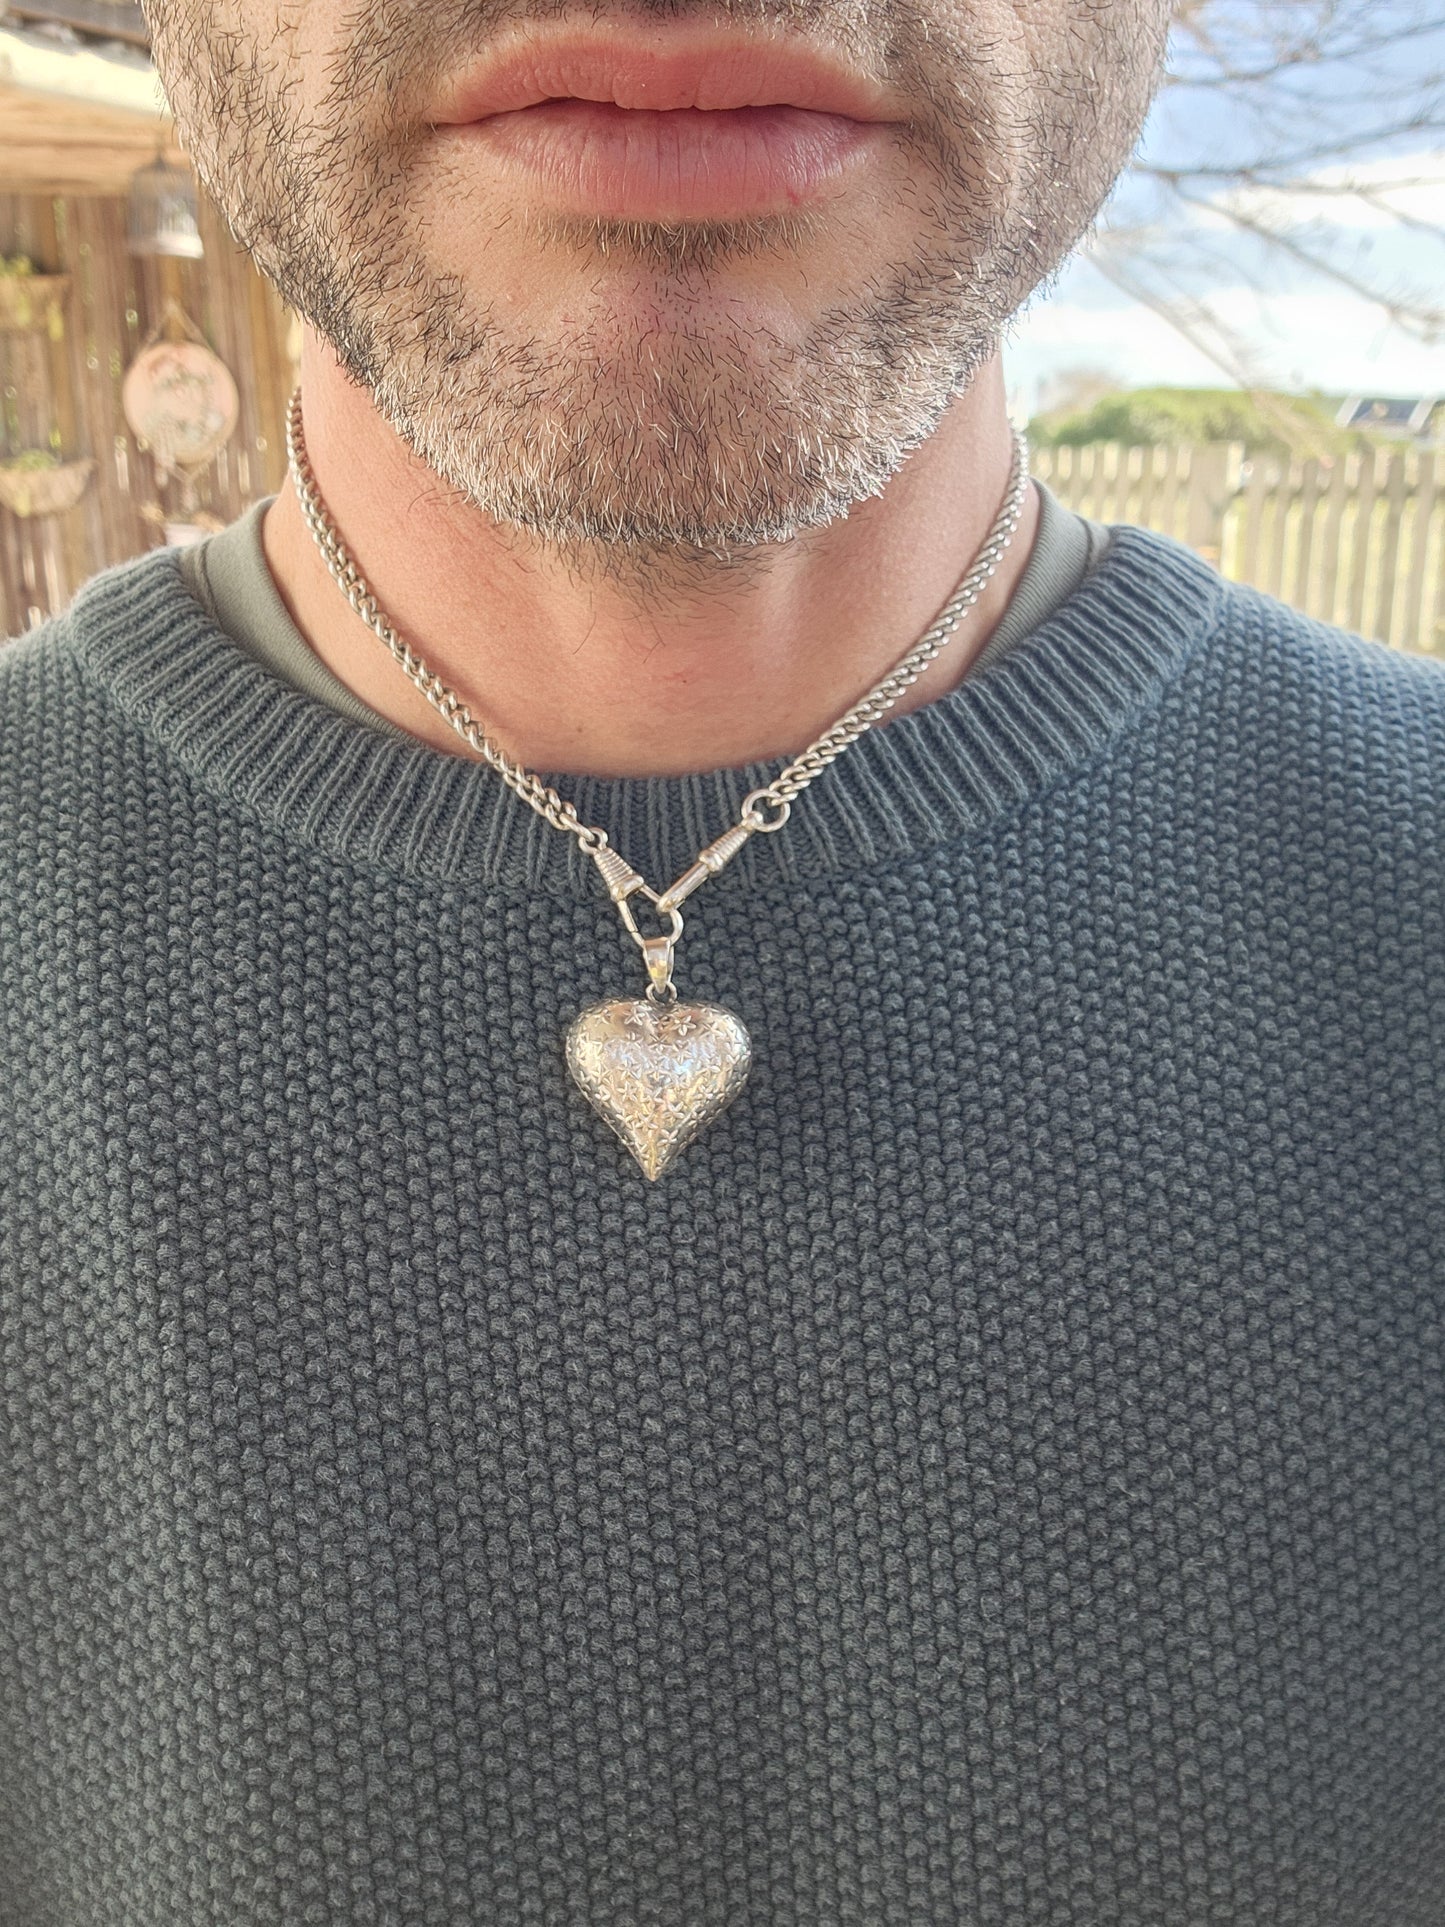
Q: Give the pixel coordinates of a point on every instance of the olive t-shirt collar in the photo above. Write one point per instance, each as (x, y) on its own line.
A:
(230, 578)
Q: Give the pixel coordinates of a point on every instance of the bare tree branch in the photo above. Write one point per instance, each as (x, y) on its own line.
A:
(1426, 321)
(1222, 73)
(1294, 97)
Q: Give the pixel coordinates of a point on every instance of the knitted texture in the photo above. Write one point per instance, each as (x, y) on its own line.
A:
(995, 1479)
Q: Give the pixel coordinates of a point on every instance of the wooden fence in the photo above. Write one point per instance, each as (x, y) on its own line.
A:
(1358, 541)
(61, 389)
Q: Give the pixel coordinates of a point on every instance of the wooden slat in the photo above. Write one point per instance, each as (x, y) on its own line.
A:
(1131, 487)
(50, 144)
(1432, 614)
(1064, 481)
(1086, 467)
(1257, 492)
(1116, 469)
(1210, 492)
(1173, 481)
(1302, 591)
(1360, 557)
(1344, 477)
(1388, 548)
(1419, 609)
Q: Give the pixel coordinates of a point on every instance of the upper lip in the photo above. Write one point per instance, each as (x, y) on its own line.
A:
(663, 68)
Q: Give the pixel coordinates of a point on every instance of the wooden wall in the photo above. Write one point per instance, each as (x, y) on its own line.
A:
(65, 394)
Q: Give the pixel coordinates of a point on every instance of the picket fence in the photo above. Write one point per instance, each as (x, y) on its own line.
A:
(1358, 541)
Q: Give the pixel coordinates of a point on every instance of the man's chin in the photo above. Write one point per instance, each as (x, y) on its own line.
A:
(643, 451)
(628, 514)
(636, 526)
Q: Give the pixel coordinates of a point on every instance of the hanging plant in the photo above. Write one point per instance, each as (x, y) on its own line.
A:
(39, 483)
(31, 303)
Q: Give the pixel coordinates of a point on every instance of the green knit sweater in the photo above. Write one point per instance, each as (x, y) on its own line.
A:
(995, 1479)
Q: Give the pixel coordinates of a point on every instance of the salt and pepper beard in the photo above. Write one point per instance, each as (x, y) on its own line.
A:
(708, 445)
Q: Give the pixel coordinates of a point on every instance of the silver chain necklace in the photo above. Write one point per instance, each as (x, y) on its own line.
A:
(657, 1070)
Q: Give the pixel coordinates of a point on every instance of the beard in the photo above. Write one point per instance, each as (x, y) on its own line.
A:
(722, 425)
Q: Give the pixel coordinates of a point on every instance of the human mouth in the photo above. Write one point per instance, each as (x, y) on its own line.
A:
(670, 125)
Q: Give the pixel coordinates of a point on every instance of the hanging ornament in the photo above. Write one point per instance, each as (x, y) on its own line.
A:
(180, 400)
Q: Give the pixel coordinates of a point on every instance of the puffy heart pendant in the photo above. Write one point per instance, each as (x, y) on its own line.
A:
(658, 1072)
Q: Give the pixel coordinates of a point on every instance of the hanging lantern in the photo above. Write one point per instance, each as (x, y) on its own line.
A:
(163, 212)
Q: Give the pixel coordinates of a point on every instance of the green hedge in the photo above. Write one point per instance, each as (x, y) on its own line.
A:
(1149, 416)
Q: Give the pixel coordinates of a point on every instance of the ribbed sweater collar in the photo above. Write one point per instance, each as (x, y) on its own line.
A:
(924, 779)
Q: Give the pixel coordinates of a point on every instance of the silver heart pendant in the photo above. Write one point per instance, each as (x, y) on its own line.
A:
(658, 1072)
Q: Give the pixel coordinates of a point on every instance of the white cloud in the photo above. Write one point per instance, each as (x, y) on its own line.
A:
(1295, 341)
(1367, 194)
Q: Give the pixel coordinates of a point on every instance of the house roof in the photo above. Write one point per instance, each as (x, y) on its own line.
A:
(94, 19)
(1407, 414)
(81, 108)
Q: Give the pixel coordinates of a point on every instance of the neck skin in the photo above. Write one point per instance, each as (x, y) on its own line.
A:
(594, 677)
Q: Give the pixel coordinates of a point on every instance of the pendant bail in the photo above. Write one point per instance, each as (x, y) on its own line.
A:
(657, 955)
(657, 952)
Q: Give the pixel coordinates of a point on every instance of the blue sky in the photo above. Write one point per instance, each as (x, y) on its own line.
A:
(1288, 327)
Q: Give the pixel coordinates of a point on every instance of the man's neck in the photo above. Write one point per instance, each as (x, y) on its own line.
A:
(590, 673)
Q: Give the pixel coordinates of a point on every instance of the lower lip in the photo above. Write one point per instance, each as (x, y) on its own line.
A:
(592, 158)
